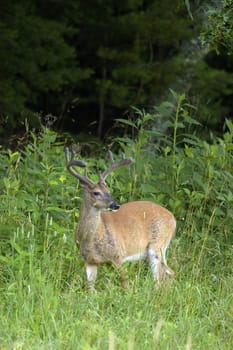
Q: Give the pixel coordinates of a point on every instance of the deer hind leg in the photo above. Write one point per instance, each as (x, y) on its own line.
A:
(155, 263)
(91, 273)
(158, 263)
(165, 267)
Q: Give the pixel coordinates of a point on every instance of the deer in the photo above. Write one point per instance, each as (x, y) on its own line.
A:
(108, 232)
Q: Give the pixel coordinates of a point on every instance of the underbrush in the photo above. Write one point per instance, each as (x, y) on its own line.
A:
(43, 300)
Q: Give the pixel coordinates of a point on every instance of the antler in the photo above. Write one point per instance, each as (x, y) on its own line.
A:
(73, 162)
(114, 166)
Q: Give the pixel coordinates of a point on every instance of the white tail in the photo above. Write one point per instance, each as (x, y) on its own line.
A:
(132, 231)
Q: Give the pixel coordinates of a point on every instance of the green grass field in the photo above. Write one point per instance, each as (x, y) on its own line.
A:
(44, 305)
(43, 300)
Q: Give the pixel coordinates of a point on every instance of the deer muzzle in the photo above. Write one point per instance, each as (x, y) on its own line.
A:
(114, 205)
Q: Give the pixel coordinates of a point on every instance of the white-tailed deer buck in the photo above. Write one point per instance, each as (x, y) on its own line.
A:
(132, 231)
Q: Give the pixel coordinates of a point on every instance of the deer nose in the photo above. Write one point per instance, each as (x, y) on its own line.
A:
(114, 205)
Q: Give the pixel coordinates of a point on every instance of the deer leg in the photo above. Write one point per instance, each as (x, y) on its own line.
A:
(166, 268)
(155, 263)
(91, 273)
(157, 259)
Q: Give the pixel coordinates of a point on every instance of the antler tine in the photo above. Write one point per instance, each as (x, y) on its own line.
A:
(73, 162)
(114, 165)
(122, 157)
(67, 151)
(111, 156)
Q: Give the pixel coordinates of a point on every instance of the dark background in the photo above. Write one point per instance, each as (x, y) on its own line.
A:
(77, 65)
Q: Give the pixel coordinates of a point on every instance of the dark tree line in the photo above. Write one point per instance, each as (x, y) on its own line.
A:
(84, 63)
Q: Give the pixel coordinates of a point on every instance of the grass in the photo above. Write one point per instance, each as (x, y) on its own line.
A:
(42, 310)
(43, 300)
(44, 304)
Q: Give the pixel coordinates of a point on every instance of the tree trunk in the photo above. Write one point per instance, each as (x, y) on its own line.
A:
(102, 95)
(101, 116)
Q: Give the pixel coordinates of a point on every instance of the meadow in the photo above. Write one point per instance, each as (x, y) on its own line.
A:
(44, 303)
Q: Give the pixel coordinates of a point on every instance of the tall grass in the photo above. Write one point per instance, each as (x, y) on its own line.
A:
(43, 301)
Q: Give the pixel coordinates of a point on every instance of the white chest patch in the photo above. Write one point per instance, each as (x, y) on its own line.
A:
(136, 257)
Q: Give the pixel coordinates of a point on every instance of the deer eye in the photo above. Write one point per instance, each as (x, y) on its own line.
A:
(96, 193)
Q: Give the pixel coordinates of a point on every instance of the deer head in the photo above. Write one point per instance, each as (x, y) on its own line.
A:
(97, 194)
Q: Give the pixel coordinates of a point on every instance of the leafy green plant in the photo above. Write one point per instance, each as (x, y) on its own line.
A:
(218, 29)
(156, 142)
(43, 303)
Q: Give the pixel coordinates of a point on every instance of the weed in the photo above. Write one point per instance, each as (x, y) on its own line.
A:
(43, 303)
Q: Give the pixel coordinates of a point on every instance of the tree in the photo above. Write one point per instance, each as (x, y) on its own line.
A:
(212, 74)
(87, 62)
(218, 28)
(132, 53)
(38, 66)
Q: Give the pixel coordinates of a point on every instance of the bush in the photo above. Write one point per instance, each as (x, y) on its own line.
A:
(42, 302)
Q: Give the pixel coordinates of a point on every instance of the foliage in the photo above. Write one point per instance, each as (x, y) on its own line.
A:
(43, 304)
(37, 64)
(85, 63)
(218, 31)
(132, 54)
(193, 175)
(210, 77)
(212, 91)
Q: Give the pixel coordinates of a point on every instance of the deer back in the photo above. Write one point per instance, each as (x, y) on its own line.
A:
(137, 224)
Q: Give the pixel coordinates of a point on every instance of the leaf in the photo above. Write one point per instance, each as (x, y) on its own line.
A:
(191, 141)
(53, 182)
(56, 209)
(189, 151)
(126, 122)
(191, 121)
(229, 124)
(178, 97)
(19, 250)
(174, 94)
(164, 108)
(180, 125)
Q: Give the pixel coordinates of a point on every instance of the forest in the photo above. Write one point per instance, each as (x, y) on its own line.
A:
(78, 66)
(151, 80)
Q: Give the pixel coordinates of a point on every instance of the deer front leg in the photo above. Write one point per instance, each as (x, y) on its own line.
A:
(91, 273)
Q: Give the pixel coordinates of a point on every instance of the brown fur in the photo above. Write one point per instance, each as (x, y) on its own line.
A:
(140, 229)
(112, 236)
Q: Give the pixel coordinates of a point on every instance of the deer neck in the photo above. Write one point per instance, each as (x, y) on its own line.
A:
(89, 226)
(89, 221)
